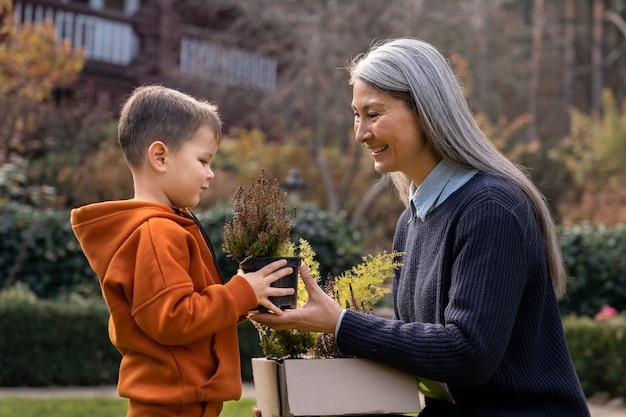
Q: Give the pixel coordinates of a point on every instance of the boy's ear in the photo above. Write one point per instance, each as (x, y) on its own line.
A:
(157, 155)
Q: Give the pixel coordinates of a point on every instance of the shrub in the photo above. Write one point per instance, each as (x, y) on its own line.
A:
(48, 342)
(594, 256)
(337, 244)
(37, 246)
(598, 349)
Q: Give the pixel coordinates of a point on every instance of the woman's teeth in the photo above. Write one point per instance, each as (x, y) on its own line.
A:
(379, 149)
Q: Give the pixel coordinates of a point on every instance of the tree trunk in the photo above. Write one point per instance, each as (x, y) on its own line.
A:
(596, 58)
(535, 67)
(569, 60)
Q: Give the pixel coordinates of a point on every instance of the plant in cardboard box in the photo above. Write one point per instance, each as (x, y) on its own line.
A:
(359, 288)
(304, 374)
(258, 232)
(284, 385)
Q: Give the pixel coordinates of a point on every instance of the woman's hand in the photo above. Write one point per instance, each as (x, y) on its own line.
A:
(319, 314)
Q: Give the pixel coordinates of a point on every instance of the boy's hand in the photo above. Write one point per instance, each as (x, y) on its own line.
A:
(260, 282)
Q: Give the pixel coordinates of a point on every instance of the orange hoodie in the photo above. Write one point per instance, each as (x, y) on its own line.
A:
(172, 318)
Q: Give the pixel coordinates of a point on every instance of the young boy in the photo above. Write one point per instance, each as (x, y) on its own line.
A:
(172, 317)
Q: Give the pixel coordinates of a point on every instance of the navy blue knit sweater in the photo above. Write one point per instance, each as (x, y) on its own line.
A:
(474, 307)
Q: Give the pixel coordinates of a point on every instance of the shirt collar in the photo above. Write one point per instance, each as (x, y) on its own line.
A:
(438, 185)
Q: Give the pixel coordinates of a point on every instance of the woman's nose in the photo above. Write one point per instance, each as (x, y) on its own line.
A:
(362, 132)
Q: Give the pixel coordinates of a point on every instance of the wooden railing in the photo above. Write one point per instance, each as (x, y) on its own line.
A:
(227, 65)
(114, 41)
(102, 39)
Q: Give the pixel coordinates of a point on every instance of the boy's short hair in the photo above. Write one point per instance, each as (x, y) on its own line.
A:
(154, 112)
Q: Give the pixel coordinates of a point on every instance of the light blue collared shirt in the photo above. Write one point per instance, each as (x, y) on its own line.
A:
(438, 185)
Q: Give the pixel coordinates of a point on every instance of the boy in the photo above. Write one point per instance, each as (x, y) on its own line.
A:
(172, 317)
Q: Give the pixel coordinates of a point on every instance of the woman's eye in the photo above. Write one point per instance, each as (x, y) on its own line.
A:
(372, 115)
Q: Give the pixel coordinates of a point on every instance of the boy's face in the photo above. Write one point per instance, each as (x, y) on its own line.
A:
(189, 169)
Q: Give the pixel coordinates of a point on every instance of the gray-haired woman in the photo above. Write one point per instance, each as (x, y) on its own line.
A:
(475, 301)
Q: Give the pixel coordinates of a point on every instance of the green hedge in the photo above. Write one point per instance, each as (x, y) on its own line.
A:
(38, 247)
(47, 342)
(598, 349)
(595, 256)
(66, 342)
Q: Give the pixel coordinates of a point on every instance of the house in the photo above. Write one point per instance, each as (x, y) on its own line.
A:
(133, 42)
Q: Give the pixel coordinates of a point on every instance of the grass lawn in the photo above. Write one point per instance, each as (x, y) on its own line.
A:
(93, 407)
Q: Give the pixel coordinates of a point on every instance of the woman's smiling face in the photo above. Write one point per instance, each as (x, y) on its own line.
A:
(391, 132)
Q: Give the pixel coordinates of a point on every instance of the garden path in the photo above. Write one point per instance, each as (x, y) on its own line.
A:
(611, 408)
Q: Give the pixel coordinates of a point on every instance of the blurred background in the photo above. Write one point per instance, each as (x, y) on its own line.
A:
(545, 80)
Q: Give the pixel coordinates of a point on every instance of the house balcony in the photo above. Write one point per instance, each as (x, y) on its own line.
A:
(102, 39)
(140, 44)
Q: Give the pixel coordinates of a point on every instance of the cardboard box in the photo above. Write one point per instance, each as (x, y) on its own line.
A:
(332, 387)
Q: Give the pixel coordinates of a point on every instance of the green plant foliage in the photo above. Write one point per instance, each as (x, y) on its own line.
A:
(37, 246)
(595, 151)
(361, 287)
(338, 246)
(598, 349)
(283, 344)
(596, 265)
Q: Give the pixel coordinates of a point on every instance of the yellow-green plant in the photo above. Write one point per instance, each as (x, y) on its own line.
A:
(595, 150)
(359, 288)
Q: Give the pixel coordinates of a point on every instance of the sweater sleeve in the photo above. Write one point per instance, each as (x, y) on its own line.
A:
(489, 266)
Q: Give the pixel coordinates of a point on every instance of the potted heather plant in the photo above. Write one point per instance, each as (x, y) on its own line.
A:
(259, 232)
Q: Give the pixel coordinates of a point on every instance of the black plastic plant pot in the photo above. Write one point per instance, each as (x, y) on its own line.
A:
(290, 281)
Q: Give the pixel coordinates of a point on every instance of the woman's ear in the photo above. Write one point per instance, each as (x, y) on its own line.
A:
(157, 155)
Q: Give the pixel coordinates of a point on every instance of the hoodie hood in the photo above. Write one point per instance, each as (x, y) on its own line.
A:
(102, 228)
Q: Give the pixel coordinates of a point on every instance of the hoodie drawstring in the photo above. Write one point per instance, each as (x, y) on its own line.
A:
(205, 235)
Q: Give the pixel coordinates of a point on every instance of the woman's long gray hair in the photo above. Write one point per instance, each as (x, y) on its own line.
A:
(415, 71)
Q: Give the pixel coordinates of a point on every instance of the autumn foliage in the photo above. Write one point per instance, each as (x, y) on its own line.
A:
(32, 61)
